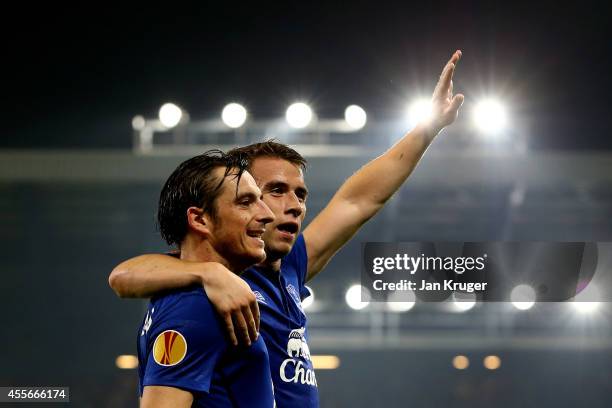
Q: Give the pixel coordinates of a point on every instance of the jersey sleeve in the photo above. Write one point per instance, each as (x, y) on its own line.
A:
(185, 344)
(297, 261)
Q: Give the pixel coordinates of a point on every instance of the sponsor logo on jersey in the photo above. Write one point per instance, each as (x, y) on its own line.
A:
(259, 297)
(299, 355)
(296, 345)
(147, 322)
(170, 348)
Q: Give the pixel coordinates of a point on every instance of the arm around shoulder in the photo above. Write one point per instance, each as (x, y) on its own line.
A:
(147, 275)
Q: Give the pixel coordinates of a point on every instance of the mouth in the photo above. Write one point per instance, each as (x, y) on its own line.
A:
(288, 229)
(257, 234)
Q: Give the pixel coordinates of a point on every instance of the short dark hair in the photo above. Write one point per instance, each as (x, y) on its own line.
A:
(270, 148)
(193, 184)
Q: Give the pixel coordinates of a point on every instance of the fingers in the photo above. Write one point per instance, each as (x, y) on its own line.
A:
(243, 324)
(255, 312)
(252, 327)
(446, 77)
(450, 114)
(456, 57)
(456, 103)
(241, 328)
(229, 327)
(443, 84)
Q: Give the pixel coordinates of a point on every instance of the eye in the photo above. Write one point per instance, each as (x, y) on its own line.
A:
(301, 195)
(276, 190)
(245, 201)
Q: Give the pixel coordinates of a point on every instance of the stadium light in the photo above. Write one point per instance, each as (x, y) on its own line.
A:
(234, 115)
(582, 305)
(354, 295)
(307, 302)
(138, 122)
(401, 301)
(490, 116)
(170, 115)
(461, 362)
(418, 111)
(299, 115)
(325, 362)
(585, 307)
(355, 116)
(126, 362)
(463, 302)
(491, 362)
(523, 297)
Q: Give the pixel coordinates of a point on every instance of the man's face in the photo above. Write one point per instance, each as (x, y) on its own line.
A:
(238, 228)
(284, 191)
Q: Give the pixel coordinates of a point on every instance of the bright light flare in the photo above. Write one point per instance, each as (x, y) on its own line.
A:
(355, 116)
(490, 116)
(353, 297)
(299, 115)
(418, 111)
(582, 305)
(170, 115)
(586, 307)
(234, 115)
(523, 297)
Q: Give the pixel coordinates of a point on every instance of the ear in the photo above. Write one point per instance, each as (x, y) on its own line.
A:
(198, 221)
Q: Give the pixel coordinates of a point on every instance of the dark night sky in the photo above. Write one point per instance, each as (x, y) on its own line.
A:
(77, 76)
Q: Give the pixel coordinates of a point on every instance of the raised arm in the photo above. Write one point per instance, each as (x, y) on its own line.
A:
(148, 275)
(366, 192)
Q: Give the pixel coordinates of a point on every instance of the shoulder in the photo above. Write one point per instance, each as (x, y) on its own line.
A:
(174, 298)
(189, 306)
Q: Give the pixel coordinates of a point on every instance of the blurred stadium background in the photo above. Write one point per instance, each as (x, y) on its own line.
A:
(69, 216)
(83, 155)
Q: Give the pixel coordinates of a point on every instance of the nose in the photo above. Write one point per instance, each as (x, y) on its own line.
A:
(265, 214)
(295, 207)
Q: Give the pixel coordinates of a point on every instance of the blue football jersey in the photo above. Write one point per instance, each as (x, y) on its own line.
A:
(182, 344)
(283, 327)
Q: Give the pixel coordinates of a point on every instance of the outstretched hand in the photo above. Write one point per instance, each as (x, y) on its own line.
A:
(445, 106)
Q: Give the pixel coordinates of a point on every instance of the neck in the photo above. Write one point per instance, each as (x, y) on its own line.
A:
(196, 249)
(272, 265)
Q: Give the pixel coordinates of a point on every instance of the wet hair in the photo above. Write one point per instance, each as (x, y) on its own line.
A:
(270, 148)
(193, 184)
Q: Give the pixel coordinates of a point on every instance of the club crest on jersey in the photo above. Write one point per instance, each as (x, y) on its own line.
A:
(170, 348)
(294, 295)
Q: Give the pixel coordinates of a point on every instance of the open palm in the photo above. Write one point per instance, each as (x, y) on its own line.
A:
(445, 106)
